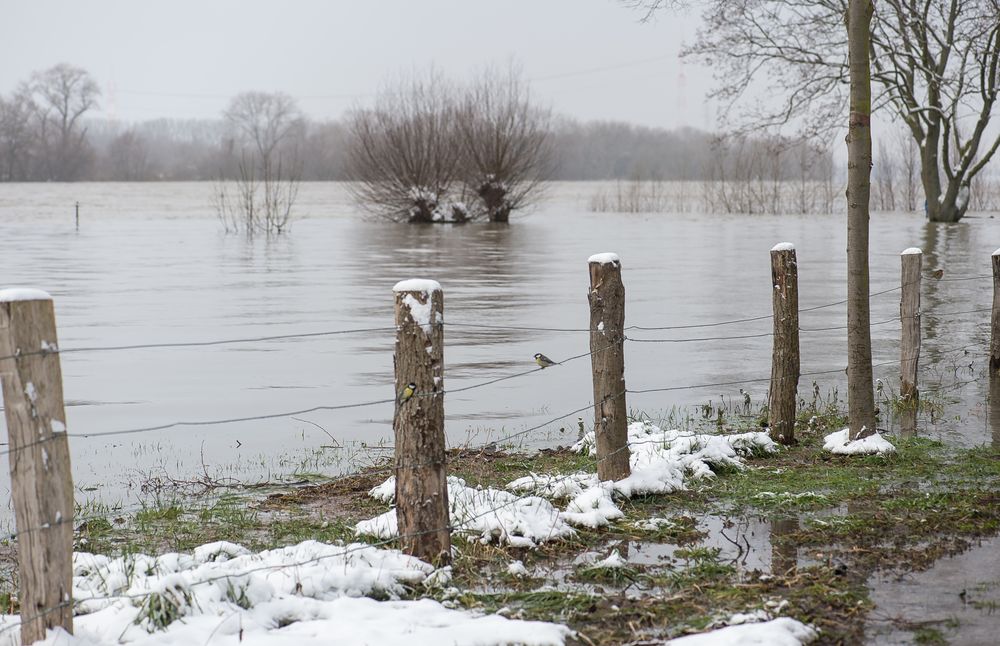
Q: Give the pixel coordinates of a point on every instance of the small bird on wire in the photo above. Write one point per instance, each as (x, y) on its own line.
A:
(937, 273)
(544, 361)
(406, 392)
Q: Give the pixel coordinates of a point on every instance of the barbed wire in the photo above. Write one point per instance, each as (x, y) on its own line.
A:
(339, 332)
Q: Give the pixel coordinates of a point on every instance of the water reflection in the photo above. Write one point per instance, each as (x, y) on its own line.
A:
(784, 551)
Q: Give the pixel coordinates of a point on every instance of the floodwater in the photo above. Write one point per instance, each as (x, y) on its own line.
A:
(150, 264)
(958, 596)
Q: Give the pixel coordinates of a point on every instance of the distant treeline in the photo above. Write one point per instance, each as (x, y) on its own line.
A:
(206, 149)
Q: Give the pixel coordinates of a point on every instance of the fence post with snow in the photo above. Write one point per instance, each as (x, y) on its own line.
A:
(909, 345)
(418, 422)
(607, 348)
(785, 351)
(41, 481)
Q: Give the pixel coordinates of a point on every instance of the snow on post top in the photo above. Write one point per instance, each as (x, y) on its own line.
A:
(417, 285)
(783, 246)
(23, 294)
(997, 252)
(911, 250)
(605, 258)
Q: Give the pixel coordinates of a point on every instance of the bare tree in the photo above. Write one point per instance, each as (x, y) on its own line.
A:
(885, 178)
(265, 120)
(860, 396)
(936, 64)
(404, 157)
(268, 130)
(506, 142)
(16, 136)
(62, 95)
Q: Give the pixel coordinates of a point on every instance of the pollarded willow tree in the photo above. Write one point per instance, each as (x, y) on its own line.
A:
(935, 64)
(430, 151)
(506, 142)
(403, 157)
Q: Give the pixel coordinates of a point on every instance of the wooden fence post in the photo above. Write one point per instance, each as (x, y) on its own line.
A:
(41, 481)
(995, 318)
(421, 472)
(909, 347)
(785, 354)
(607, 358)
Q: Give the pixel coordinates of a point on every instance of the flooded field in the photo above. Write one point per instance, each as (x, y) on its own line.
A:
(151, 265)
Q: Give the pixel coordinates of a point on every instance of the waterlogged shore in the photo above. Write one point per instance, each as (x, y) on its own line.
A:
(798, 533)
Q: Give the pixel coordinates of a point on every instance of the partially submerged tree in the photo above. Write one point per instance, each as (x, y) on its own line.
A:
(404, 156)
(935, 64)
(506, 143)
(267, 131)
(431, 152)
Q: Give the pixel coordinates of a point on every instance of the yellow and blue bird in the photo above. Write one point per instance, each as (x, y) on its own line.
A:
(544, 361)
(406, 392)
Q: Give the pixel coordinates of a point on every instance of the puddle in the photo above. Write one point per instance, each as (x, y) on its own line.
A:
(959, 596)
(749, 543)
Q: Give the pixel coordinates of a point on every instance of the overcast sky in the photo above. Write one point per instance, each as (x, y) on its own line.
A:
(592, 59)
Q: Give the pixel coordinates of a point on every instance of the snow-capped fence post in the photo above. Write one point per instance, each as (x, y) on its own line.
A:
(785, 351)
(995, 319)
(607, 358)
(41, 481)
(909, 345)
(421, 472)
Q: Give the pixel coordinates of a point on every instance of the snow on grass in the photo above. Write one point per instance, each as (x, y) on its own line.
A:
(614, 561)
(654, 524)
(516, 568)
(783, 631)
(593, 507)
(840, 443)
(297, 596)
(661, 462)
(481, 514)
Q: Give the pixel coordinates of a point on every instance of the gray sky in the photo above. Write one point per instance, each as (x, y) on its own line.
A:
(592, 59)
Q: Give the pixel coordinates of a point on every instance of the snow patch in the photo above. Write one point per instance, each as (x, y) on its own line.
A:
(604, 258)
(421, 313)
(783, 246)
(911, 250)
(840, 443)
(516, 568)
(593, 507)
(481, 514)
(613, 562)
(23, 294)
(300, 594)
(783, 631)
(417, 285)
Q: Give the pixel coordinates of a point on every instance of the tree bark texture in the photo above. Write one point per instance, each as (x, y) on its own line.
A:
(995, 318)
(421, 471)
(41, 480)
(909, 346)
(607, 340)
(860, 398)
(785, 353)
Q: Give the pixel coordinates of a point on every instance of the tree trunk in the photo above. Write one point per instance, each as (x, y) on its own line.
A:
(860, 398)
